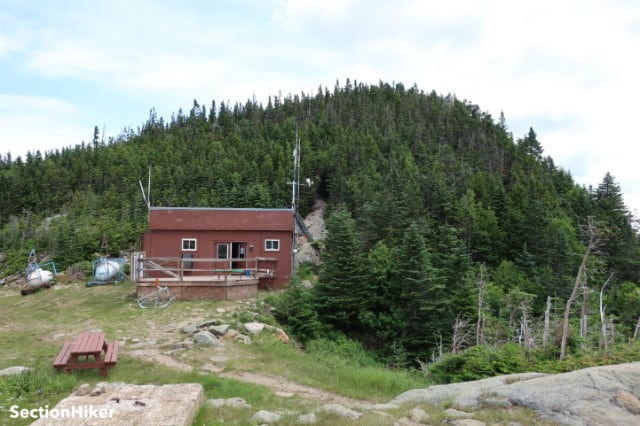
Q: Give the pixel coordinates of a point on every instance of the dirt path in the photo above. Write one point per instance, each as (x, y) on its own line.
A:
(281, 386)
(284, 387)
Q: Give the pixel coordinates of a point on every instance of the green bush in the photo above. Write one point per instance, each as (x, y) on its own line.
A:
(294, 309)
(513, 358)
(479, 362)
(340, 351)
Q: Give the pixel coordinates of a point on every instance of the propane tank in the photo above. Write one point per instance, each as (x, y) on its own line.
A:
(39, 277)
(107, 269)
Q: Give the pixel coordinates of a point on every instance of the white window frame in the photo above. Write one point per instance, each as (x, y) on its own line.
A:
(218, 246)
(189, 240)
(271, 240)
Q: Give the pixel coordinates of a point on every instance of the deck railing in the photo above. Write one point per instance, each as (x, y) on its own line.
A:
(143, 267)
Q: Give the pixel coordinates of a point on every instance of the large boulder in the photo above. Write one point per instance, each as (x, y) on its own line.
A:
(122, 404)
(464, 395)
(306, 253)
(597, 395)
(206, 338)
(254, 327)
(12, 371)
(264, 416)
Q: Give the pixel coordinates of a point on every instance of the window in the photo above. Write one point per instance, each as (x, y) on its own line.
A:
(189, 244)
(222, 251)
(272, 245)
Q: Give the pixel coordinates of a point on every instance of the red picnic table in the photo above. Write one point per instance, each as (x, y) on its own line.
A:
(90, 346)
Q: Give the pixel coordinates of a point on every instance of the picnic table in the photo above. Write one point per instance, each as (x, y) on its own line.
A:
(95, 350)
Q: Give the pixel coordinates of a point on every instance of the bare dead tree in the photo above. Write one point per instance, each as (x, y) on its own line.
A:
(518, 303)
(603, 321)
(524, 324)
(461, 335)
(481, 292)
(613, 331)
(440, 349)
(592, 244)
(637, 330)
(424, 366)
(547, 323)
(584, 313)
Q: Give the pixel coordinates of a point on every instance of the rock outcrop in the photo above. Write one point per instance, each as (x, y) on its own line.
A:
(121, 404)
(305, 251)
(593, 396)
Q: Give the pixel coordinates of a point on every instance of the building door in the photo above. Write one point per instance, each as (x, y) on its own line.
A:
(238, 251)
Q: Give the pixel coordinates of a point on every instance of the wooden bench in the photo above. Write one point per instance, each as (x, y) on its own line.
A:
(227, 272)
(63, 357)
(111, 356)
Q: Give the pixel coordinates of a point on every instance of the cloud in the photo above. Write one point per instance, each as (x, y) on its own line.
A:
(8, 45)
(296, 15)
(32, 123)
(568, 69)
(74, 59)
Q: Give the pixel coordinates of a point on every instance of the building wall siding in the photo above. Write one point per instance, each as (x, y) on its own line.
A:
(167, 228)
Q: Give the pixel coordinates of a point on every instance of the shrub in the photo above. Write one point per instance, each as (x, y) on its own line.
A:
(294, 309)
(340, 351)
(479, 362)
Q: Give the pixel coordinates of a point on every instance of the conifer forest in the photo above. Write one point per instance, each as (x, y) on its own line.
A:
(446, 232)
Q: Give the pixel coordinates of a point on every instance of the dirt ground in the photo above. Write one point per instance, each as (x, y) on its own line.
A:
(214, 360)
(280, 385)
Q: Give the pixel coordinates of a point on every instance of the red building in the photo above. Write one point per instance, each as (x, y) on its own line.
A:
(214, 241)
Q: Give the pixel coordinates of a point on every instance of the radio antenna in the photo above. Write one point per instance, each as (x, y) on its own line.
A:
(296, 174)
(146, 196)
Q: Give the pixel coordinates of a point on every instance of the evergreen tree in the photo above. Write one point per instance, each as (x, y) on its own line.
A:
(421, 302)
(530, 144)
(621, 242)
(382, 318)
(339, 294)
(295, 309)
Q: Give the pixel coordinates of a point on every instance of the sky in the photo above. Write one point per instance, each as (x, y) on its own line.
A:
(569, 69)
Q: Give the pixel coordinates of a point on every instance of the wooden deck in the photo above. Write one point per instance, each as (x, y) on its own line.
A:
(202, 287)
(202, 279)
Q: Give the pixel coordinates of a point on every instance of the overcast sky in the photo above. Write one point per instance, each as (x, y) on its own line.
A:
(567, 68)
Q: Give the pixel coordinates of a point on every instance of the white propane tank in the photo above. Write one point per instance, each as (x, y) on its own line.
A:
(39, 277)
(107, 270)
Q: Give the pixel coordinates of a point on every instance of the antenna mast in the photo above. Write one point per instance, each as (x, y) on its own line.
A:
(296, 174)
(146, 197)
(295, 184)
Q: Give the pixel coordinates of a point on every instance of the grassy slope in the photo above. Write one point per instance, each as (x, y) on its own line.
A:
(33, 328)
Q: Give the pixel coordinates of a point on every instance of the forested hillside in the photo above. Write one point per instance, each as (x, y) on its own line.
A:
(437, 213)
